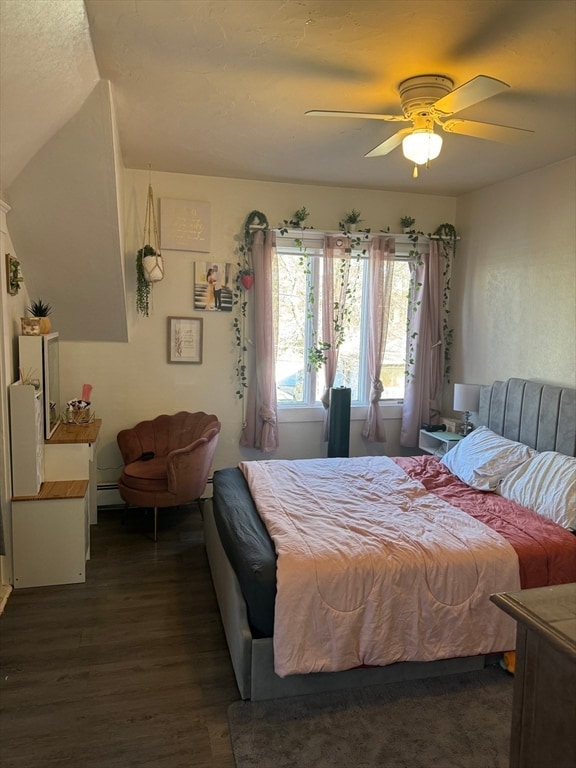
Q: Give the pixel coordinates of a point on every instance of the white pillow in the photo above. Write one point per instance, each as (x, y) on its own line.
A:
(483, 458)
(546, 484)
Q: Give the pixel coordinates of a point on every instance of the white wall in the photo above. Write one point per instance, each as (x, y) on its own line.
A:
(514, 280)
(134, 381)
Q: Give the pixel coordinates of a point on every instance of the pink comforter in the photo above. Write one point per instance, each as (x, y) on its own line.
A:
(546, 552)
(387, 573)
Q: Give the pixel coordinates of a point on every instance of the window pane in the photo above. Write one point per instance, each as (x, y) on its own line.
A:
(394, 365)
(349, 358)
(290, 328)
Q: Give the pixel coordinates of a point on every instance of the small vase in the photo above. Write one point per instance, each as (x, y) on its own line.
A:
(247, 281)
(352, 227)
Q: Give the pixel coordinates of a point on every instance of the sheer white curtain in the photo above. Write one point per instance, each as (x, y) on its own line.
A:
(334, 292)
(380, 277)
(261, 430)
(425, 365)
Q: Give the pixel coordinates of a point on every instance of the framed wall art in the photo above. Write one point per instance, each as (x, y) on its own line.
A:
(184, 225)
(184, 340)
(213, 290)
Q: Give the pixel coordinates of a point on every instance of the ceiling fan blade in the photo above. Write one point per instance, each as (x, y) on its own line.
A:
(390, 144)
(366, 115)
(475, 90)
(490, 131)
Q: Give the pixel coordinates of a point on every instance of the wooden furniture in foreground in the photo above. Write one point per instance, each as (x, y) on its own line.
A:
(544, 707)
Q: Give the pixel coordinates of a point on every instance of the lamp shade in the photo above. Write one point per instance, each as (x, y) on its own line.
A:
(466, 397)
(421, 145)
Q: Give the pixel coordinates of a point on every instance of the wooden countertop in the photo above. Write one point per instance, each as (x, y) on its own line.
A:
(76, 433)
(58, 489)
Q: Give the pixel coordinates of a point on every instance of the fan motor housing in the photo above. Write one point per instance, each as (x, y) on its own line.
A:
(418, 94)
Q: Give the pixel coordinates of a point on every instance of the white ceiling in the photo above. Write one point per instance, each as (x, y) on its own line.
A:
(220, 87)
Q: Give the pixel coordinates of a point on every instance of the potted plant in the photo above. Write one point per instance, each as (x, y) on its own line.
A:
(149, 269)
(407, 223)
(41, 310)
(350, 221)
(299, 217)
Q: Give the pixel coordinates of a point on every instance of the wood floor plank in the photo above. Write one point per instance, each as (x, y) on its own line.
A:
(130, 668)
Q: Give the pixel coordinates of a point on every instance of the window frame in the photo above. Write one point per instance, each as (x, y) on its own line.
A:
(299, 243)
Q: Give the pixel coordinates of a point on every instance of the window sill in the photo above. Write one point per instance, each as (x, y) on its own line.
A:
(296, 414)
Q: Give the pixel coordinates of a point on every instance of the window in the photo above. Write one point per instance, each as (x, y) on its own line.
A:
(297, 315)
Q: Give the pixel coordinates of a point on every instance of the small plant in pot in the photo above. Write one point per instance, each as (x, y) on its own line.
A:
(407, 223)
(350, 221)
(42, 311)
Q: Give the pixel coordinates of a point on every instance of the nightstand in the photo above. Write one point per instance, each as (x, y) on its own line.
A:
(438, 443)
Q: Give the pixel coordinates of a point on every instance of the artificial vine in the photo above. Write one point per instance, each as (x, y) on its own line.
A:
(447, 234)
(255, 219)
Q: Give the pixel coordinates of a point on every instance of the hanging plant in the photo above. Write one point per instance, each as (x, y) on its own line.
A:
(149, 262)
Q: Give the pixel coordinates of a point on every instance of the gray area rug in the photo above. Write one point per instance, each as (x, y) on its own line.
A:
(457, 721)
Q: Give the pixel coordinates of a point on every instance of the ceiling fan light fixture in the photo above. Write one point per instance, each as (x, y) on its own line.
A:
(421, 146)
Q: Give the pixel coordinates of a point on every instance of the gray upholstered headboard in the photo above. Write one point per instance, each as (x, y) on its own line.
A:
(538, 415)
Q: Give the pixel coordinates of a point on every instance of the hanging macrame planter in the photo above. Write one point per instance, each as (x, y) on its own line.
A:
(149, 262)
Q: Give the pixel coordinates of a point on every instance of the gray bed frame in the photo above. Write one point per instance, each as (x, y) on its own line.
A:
(539, 415)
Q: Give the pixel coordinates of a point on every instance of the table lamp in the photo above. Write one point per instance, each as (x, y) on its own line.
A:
(466, 399)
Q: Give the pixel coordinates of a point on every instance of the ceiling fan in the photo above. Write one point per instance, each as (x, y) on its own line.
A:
(429, 100)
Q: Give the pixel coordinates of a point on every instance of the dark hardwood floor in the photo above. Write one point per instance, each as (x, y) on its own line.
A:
(130, 669)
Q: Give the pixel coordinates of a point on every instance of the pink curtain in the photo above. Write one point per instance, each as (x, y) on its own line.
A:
(426, 353)
(332, 312)
(380, 275)
(261, 429)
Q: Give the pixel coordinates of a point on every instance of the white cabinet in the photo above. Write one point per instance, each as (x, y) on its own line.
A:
(27, 439)
(51, 538)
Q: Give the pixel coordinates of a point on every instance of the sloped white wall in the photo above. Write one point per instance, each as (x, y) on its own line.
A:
(65, 223)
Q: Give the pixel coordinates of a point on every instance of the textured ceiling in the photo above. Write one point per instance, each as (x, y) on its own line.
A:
(220, 87)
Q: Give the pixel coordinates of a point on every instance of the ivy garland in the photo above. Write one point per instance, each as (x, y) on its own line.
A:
(239, 299)
(447, 234)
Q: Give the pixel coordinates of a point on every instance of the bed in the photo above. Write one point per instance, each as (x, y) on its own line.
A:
(529, 414)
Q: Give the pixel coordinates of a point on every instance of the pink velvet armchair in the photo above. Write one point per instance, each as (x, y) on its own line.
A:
(167, 460)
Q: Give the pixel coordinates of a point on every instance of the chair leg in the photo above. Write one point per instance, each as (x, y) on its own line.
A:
(123, 515)
(155, 523)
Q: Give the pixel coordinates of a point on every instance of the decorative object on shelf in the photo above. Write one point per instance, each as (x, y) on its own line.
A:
(350, 221)
(78, 412)
(13, 274)
(149, 262)
(407, 223)
(41, 310)
(184, 340)
(30, 326)
(466, 400)
(296, 222)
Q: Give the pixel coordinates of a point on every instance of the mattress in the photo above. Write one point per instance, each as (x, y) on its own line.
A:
(546, 552)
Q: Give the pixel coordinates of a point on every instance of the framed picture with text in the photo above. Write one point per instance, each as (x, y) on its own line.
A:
(184, 340)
